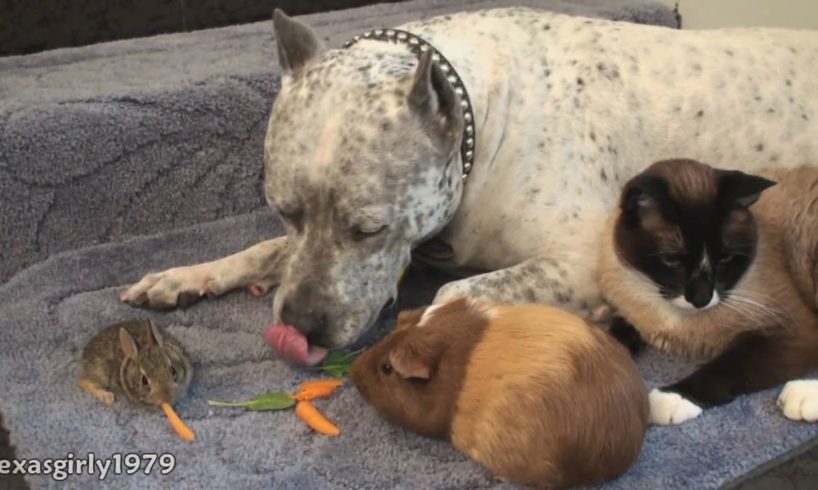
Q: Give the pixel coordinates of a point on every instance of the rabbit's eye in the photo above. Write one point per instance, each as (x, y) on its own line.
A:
(145, 382)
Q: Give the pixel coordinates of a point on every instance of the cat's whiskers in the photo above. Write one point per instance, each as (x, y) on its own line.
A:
(753, 317)
(762, 309)
(747, 311)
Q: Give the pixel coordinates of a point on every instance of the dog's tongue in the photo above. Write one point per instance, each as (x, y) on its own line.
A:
(291, 345)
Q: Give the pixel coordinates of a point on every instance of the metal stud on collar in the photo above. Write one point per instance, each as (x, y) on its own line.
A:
(418, 46)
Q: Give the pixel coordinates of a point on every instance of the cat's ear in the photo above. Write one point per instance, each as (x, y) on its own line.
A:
(644, 195)
(742, 189)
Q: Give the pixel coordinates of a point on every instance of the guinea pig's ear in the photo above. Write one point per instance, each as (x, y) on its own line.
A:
(409, 318)
(413, 360)
(127, 343)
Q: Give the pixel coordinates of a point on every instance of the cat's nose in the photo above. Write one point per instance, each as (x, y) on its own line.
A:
(699, 294)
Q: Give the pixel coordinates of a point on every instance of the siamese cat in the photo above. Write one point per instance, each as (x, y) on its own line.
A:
(721, 266)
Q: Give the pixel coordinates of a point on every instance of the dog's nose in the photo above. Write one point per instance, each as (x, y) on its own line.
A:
(288, 313)
(310, 320)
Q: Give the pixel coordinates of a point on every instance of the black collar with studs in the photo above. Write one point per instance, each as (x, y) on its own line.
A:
(418, 46)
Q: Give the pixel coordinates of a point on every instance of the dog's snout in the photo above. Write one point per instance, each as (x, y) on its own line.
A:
(303, 311)
(288, 313)
(319, 328)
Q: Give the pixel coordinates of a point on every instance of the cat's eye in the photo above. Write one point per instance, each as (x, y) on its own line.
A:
(145, 381)
(726, 258)
(670, 260)
(386, 368)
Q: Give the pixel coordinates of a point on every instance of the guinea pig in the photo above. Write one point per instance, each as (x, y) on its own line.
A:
(532, 393)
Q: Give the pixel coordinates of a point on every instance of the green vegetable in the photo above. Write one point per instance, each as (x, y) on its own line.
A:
(403, 275)
(264, 401)
(338, 364)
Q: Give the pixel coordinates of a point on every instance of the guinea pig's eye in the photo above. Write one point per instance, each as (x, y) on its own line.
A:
(173, 372)
(145, 382)
(386, 368)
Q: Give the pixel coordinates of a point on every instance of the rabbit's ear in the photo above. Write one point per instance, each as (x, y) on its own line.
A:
(127, 344)
(153, 335)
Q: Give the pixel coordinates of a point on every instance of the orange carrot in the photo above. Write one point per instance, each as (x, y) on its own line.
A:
(322, 383)
(307, 412)
(320, 388)
(177, 424)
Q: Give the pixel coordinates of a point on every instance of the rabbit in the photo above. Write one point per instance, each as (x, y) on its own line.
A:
(532, 393)
(138, 359)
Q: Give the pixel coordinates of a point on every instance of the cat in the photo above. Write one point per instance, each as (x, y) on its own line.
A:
(721, 266)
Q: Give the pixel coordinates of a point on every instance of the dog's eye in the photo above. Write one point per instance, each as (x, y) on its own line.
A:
(291, 216)
(361, 232)
(386, 368)
(671, 260)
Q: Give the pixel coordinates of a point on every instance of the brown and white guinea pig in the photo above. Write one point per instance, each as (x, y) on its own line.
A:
(533, 393)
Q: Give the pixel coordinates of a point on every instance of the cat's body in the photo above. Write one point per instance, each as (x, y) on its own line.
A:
(759, 328)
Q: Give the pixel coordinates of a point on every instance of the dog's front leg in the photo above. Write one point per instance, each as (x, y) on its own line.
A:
(258, 268)
(538, 280)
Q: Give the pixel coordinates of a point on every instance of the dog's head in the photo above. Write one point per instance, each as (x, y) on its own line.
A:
(362, 163)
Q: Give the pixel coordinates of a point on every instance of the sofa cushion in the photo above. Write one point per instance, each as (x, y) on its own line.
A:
(138, 136)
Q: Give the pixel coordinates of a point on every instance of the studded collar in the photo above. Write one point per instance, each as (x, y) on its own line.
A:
(418, 46)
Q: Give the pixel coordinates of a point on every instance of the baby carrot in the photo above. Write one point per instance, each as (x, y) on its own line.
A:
(177, 424)
(307, 412)
(322, 384)
(319, 388)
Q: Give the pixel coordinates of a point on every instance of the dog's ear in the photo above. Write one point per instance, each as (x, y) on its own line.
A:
(297, 44)
(433, 98)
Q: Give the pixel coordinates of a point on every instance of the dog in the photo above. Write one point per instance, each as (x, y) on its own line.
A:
(494, 141)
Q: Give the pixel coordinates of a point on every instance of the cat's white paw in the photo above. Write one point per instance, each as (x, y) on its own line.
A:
(671, 408)
(799, 400)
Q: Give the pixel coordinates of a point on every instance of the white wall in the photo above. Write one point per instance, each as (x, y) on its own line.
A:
(708, 14)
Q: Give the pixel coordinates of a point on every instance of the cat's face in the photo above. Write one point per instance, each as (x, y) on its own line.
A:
(687, 227)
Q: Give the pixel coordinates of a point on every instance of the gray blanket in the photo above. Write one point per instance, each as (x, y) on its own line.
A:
(50, 310)
(128, 138)
(146, 135)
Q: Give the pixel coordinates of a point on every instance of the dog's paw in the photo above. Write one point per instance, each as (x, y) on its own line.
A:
(180, 286)
(668, 408)
(799, 400)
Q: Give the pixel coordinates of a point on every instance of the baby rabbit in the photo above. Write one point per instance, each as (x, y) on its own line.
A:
(532, 393)
(136, 358)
